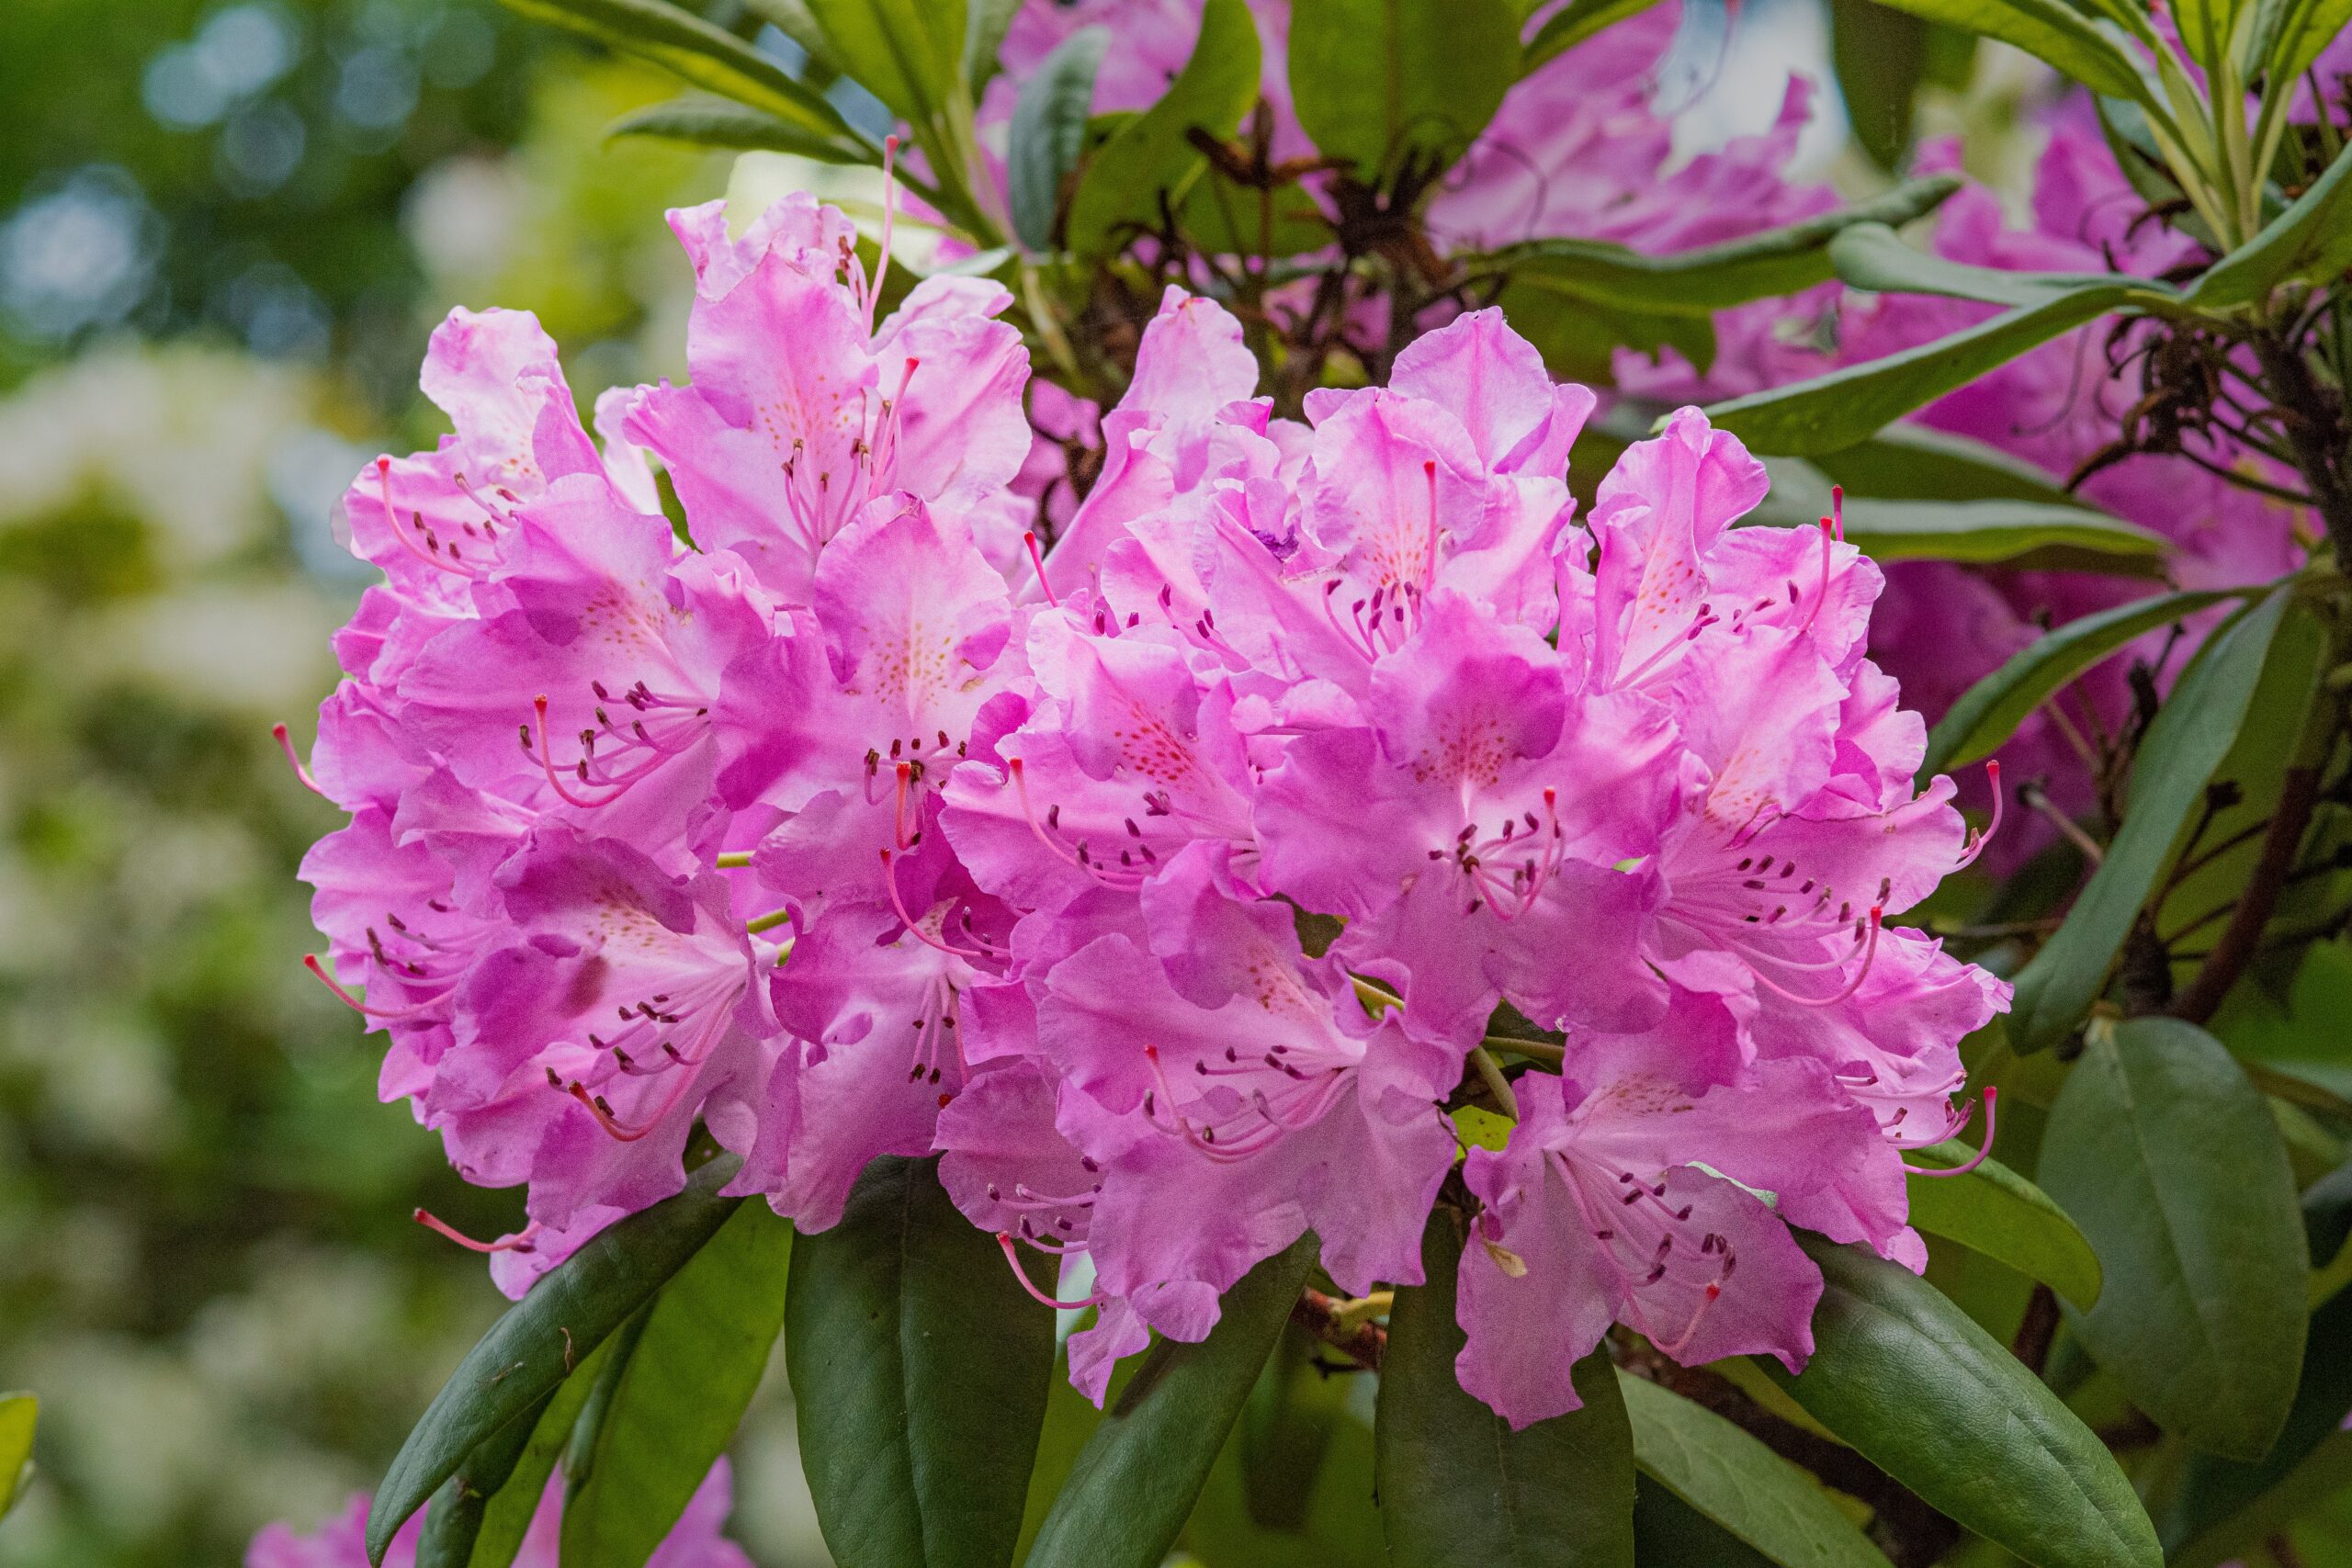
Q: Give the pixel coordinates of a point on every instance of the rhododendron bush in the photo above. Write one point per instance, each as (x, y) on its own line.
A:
(1254, 789)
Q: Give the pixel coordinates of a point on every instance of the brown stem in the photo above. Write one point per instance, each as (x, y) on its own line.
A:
(1911, 1532)
(2298, 793)
(2313, 423)
(2040, 1327)
(1318, 1313)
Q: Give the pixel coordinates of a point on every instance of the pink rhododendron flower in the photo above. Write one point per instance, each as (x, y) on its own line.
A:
(817, 831)
(342, 1542)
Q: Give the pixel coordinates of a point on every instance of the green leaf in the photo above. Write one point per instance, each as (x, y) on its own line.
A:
(454, 1521)
(1989, 712)
(1915, 462)
(684, 1392)
(1391, 84)
(1150, 159)
(507, 1518)
(1048, 132)
(705, 121)
(919, 1371)
(1871, 256)
(2206, 1517)
(1735, 1480)
(2050, 31)
(1880, 57)
(1669, 1530)
(2167, 1157)
(1460, 1489)
(544, 1336)
(1833, 411)
(2311, 241)
(984, 33)
(20, 1415)
(2022, 532)
(2205, 27)
(1995, 1211)
(580, 1443)
(697, 52)
(1143, 1468)
(2303, 31)
(2188, 740)
(1697, 282)
(1572, 24)
(1286, 1431)
(1293, 1487)
(909, 53)
(1906, 1377)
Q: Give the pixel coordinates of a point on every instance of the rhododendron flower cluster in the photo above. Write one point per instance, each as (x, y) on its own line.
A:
(342, 1542)
(834, 818)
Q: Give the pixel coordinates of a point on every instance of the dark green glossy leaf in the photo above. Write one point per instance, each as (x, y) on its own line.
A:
(2312, 240)
(1143, 1467)
(675, 1407)
(2218, 1506)
(1697, 282)
(919, 1371)
(1915, 462)
(2188, 739)
(1849, 405)
(1150, 160)
(1669, 1530)
(1880, 55)
(705, 121)
(2049, 29)
(1989, 712)
(1049, 132)
(1572, 24)
(1735, 1480)
(544, 1336)
(1910, 1382)
(1286, 1431)
(697, 52)
(1388, 83)
(507, 1517)
(2001, 1215)
(2167, 1157)
(580, 1444)
(453, 1521)
(1871, 256)
(1268, 1505)
(1458, 1487)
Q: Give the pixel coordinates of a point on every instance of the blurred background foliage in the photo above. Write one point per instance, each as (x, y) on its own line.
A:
(225, 232)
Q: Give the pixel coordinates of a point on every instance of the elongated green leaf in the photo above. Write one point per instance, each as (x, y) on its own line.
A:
(2206, 1517)
(2050, 31)
(1910, 1382)
(1915, 462)
(1458, 1487)
(1572, 24)
(506, 1517)
(2311, 241)
(710, 121)
(1049, 132)
(909, 53)
(1150, 160)
(919, 1369)
(1387, 84)
(1847, 405)
(1143, 1468)
(580, 1443)
(20, 1415)
(2303, 31)
(697, 52)
(1991, 710)
(454, 1520)
(544, 1336)
(2001, 1215)
(1869, 255)
(1697, 282)
(2189, 738)
(2033, 533)
(1735, 1480)
(984, 32)
(2205, 27)
(686, 1385)
(2166, 1156)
